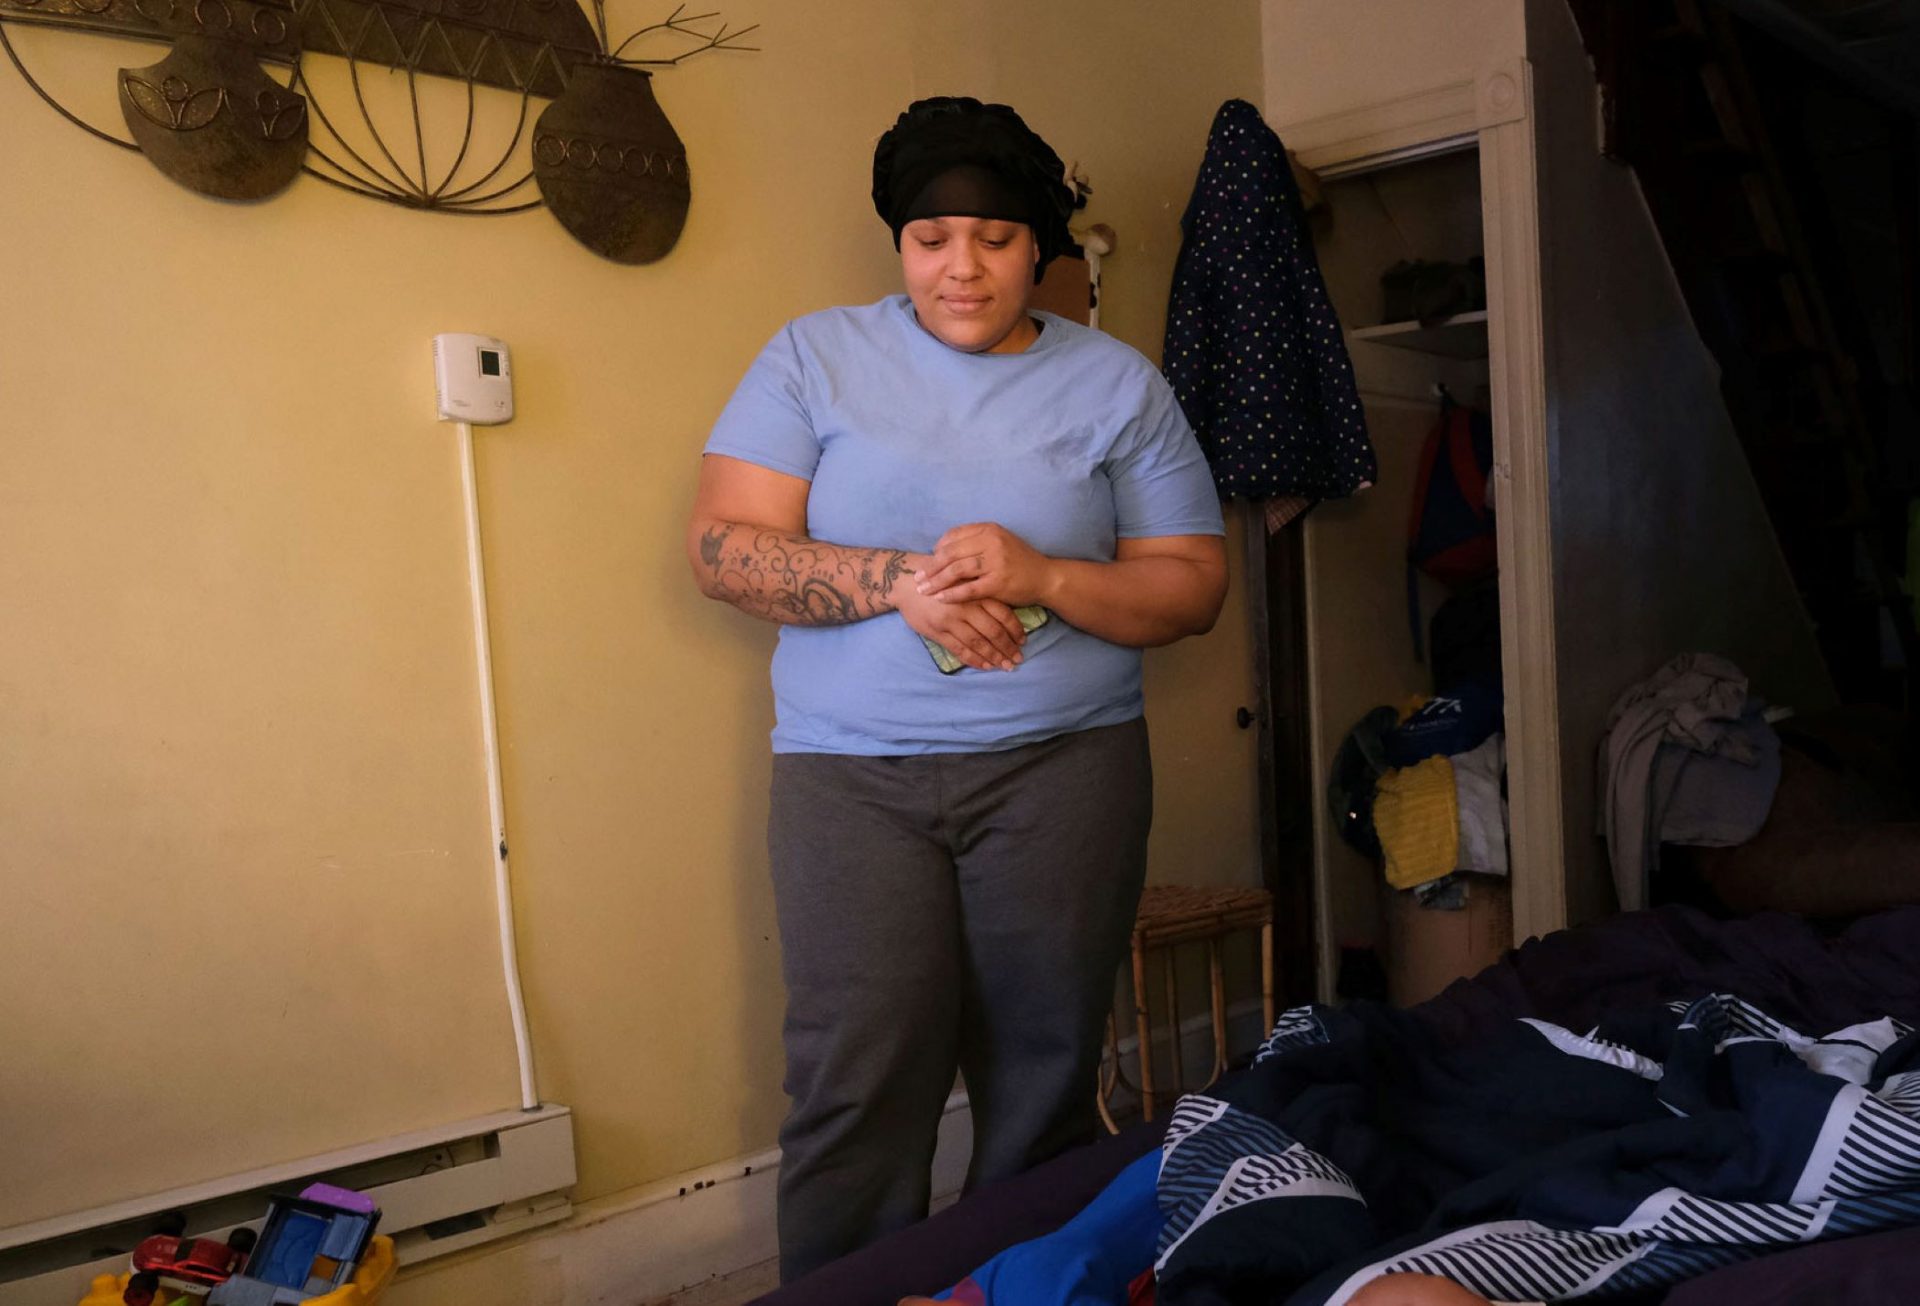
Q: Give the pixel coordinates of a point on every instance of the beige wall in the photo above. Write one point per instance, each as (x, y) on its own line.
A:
(1330, 56)
(1661, 544)
(240, 786)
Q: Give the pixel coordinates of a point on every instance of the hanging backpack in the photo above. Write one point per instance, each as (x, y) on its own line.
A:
(1464, 637)
(1450, 533)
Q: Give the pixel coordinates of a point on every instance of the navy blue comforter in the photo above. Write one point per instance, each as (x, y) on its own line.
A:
(1607, 1114)
(1618, 976)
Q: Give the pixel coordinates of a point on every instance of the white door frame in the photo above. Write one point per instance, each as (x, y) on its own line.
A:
(1493, 112)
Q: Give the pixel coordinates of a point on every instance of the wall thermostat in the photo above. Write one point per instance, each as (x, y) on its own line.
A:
(472, 379)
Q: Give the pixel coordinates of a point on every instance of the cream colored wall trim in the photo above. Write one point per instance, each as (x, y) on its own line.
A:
(1425, 122)
(1523, 489)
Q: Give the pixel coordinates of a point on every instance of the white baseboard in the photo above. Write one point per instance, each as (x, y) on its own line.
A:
(441, 1190)
(651, 1242)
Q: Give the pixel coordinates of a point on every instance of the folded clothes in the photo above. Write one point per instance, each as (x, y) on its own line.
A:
(1446, 725)
(1416, 816)
(1719, 799)
(1697, 703)
(1479, 791)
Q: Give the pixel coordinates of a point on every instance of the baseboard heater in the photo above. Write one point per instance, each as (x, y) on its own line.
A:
(440, 1190)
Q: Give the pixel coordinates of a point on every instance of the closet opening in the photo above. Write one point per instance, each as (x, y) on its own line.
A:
(1381, 621)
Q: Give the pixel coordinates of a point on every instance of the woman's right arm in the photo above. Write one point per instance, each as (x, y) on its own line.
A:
(748, 545)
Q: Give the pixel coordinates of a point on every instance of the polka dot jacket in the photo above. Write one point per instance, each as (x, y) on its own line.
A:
(1254, 350)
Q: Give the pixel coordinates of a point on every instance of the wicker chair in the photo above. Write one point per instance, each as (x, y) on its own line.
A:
(1170, 915)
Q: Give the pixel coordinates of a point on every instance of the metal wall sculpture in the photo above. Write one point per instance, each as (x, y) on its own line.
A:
(605, 159)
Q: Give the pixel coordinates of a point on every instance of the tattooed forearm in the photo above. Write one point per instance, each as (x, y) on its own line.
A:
(795, 580)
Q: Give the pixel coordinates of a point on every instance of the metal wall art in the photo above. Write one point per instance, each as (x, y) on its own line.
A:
(605, 159)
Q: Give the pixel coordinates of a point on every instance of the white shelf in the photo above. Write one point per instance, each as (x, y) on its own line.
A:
(1462, 336)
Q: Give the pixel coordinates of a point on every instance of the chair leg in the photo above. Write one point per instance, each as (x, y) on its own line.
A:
(1173, 1024)
(1219, 1012)
(1266, 976)
(1108, 1079)
(1143, 1029)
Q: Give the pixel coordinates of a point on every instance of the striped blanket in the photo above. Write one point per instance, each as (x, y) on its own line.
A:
(1538, 1164)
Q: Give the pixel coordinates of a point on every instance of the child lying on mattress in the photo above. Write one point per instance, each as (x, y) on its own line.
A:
(1366, 1160)
(1104, 1255)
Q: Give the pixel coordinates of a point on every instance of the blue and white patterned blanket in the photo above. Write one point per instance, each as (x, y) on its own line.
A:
(1539, 1165)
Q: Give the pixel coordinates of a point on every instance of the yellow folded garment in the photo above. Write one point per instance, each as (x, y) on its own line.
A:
(1417, 819)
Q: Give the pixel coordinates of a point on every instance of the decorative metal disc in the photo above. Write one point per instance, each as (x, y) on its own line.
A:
(610, 165)
(211, 120)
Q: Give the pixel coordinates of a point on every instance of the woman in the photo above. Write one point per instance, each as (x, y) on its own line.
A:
(956, 858)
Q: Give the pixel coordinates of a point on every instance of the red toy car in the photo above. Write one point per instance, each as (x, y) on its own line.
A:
(190, 1262)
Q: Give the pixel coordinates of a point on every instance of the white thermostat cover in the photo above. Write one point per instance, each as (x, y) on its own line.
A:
(472, 379)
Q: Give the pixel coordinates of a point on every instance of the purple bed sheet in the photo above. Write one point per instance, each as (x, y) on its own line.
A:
(1817, 983)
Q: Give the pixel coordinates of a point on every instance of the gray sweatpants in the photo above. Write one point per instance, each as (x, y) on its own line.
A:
(958, 910)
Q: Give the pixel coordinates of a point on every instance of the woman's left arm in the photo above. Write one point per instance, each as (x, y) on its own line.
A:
(1155, 591)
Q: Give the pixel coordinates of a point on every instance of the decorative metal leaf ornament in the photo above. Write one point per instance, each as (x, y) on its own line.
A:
(268, 26)
(211, 120)
(173, 104)
(610, 165)
(517, 45)
(605, 158)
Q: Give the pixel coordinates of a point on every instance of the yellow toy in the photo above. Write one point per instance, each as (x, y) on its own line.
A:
(369, 1281)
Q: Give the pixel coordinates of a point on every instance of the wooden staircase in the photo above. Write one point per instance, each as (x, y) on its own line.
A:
(1691, 95)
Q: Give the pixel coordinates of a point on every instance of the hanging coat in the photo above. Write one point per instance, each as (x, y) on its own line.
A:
(1254, 350)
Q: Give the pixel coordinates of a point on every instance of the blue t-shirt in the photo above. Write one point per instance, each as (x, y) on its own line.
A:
(1071, 444)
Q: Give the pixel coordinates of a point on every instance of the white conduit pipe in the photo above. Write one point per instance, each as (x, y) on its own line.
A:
(496, 804)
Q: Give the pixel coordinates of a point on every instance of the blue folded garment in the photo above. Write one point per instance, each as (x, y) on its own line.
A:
(1447, 725)
(1089, 1261)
